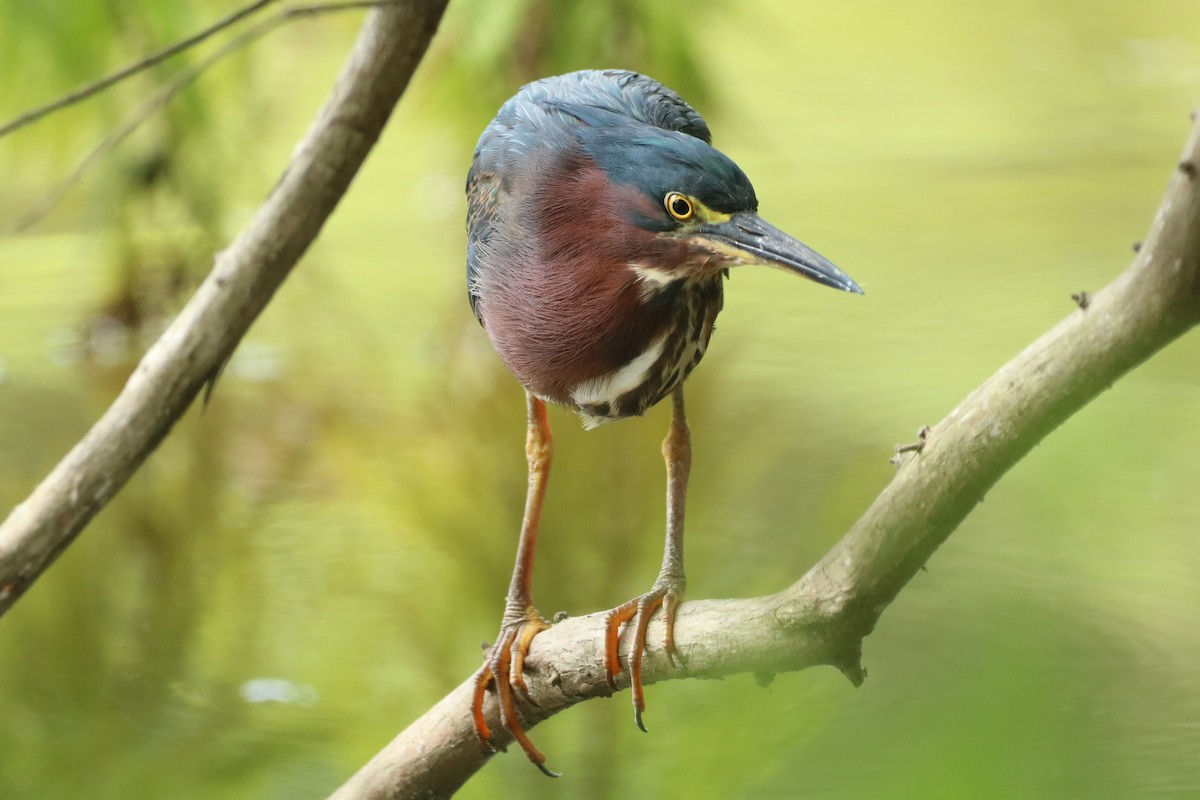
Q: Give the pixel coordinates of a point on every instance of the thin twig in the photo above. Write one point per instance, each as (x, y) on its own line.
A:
(164, 95)
(97, 86)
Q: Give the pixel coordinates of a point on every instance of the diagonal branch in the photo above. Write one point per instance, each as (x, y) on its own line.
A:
(822, 618)
(242, 282)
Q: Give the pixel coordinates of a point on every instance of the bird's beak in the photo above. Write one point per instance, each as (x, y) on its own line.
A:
(747, 238)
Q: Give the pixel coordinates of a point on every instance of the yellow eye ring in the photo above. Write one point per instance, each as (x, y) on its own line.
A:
(679, 206)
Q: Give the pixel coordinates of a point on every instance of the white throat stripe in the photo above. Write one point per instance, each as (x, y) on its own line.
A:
(609, 388)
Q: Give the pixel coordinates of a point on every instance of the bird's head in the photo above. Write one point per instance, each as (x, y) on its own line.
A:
(686, 193)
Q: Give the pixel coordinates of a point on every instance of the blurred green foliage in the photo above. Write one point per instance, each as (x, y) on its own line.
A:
(308, 564)
(157, 197)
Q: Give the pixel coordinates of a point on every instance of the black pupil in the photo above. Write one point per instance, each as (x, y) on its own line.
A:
(680, 207)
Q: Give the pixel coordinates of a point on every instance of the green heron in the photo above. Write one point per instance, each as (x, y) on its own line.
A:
(601, 223)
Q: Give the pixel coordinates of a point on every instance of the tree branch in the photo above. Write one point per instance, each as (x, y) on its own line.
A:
(822, 618)
(243, 280)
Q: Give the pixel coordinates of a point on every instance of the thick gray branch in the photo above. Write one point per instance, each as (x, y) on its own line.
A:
(242, 281)
(822, 618)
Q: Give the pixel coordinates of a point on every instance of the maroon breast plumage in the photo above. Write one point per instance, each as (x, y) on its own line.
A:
(586, 310)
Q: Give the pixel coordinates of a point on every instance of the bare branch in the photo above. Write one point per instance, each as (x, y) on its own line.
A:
(822, 618)
(244, 278)
(155, 58)
(164, 95)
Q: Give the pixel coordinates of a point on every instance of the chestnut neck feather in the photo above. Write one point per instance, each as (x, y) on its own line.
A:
(561, 303)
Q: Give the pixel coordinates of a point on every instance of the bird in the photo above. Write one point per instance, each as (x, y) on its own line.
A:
(601, 225)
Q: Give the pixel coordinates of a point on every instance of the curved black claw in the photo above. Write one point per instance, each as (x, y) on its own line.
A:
(666, 594)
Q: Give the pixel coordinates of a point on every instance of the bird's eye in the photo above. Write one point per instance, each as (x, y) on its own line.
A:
(678, 206)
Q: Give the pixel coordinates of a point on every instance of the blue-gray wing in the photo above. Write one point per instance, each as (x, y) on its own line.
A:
(482, 191)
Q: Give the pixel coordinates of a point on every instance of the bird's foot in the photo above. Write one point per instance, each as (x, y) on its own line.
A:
(504, 668)
(666, 593)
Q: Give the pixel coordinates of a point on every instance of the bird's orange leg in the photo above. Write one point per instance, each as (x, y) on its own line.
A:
(504, 665)
(668, 589)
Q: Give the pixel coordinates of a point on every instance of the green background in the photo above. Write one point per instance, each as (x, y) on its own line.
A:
(341, 520)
